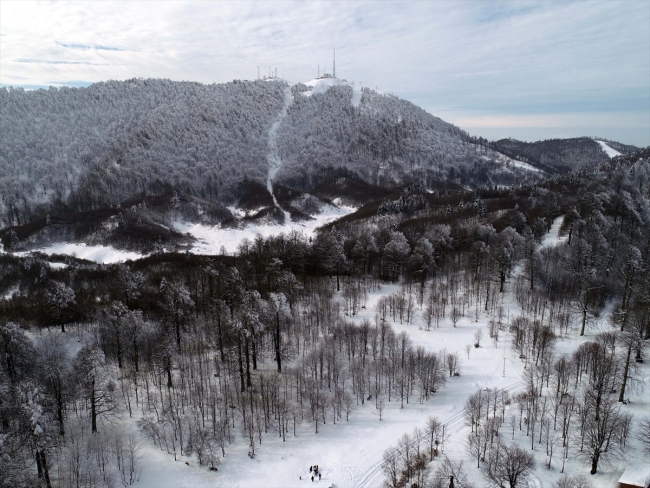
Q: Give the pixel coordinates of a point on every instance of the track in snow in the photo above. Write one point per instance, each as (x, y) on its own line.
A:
(273, 156)
(369, 478)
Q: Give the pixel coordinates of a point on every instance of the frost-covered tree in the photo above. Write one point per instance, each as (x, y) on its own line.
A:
(60, 300)
(95, 382)
(17, 354)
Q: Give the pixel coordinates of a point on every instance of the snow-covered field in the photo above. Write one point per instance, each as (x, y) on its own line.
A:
(349, 454)
(608, 150)
(98, 254)
(211, 239)
(518, 164)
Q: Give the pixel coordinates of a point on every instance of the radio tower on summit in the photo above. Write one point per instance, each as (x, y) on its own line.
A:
(334, 65)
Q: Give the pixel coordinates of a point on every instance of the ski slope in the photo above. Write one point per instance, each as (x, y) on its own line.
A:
(273, 156)
(608, 150)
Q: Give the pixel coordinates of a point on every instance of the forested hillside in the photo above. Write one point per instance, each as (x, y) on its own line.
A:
(201, 355)
(559, 155)
(384, 140)
(79, 149)
(71, 150)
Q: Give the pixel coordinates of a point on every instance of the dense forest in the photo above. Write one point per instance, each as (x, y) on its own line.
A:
(71, 150)
(204, 351)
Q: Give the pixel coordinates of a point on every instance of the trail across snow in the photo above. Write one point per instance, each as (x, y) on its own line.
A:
(552, 238)
(608, 150)
(273, 156)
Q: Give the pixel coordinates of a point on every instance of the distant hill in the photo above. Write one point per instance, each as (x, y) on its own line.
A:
(559, 155)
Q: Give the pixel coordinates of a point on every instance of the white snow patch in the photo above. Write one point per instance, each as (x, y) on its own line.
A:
(636, 475)
(553, 237)
(508, 161)
(211, 239)
(57, 265)
(608, 150)
(10, 293)
(99, 254)
(321, 85)
(237, 212)
(273, 156)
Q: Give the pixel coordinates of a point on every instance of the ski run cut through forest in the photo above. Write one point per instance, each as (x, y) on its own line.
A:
(386, 321)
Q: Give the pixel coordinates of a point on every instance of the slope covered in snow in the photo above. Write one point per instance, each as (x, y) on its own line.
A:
(321, 85)
(210, 240)
(608, 150)
(98, 254)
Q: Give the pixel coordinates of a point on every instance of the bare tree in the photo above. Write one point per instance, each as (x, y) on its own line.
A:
(508, 464)
(392, 465)
(474, 447)
(643, 434)
(453, 363)
(478, 335)
(60, 299)
(451, 471)
(604, 432)
(572, 482)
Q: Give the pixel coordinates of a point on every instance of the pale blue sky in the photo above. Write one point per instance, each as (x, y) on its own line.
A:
(529, 70)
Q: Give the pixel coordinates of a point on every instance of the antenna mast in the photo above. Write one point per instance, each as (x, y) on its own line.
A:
(334, 65)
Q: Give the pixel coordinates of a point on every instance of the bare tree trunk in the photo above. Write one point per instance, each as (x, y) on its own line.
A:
(621, 397)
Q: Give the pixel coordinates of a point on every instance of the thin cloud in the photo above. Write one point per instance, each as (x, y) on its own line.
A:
(87, 47)
(47, 61)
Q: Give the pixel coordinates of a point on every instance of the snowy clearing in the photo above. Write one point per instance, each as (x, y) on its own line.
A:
(98, 254)
(321, 85)
(608, 150)
(552, 238)
(211, 239)
(518, 164)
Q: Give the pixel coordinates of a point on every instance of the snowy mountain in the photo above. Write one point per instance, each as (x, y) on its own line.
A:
(78, 149)
(562, 155)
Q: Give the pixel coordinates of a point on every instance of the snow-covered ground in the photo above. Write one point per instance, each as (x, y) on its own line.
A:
(553, 238)
(508, 161)
(99, 254)
(211, 239)
(321, 85)
(349, 454)
(608, 150)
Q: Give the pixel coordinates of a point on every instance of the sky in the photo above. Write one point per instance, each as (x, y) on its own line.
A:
(527, 70)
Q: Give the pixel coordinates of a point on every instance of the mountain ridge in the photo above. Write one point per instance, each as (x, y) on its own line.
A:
(70, 150)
